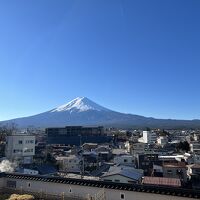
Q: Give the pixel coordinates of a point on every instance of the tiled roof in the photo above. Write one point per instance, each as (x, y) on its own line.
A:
(162, 181)
(127, 172)
(175, 165)
(164, 190)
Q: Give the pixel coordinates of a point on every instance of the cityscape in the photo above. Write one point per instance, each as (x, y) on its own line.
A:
(99, 100)
(153, 160)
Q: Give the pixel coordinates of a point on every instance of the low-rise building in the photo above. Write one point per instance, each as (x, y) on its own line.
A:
(69, 163)
(175, 170)
(122, 175)
(138, 148)
(124, 160)
(20, 147)
(162, 140)
(195, 147)
(146, 161)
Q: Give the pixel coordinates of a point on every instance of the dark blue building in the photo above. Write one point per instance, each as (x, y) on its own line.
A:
(77, 135)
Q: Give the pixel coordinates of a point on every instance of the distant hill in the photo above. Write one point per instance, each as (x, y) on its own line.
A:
(83, 111)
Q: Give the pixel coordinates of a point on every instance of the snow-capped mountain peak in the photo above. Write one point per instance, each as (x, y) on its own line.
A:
(79, 104)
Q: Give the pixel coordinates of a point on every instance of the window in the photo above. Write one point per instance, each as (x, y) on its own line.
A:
(28, 150)
(28, 185)
(107, 180)
(20, 142)
(17, 151)
(169, 171)
(29, 141)
(70, 190)
(131, 181)
(125, 160)
(122, 196)
(116, 180)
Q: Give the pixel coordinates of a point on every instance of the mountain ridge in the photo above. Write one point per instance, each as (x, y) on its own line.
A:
(83, 111)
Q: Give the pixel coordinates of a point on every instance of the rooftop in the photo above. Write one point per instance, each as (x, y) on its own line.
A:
(162, 181)
(175, 165)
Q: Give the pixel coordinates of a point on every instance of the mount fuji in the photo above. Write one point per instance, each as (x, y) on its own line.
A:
(84, 112)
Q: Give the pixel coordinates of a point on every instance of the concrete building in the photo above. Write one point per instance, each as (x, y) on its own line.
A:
(77, 135)
(175, 170)
(162, 140)
(145, 161)
(69, 163)
(138, 148)
(148, 137)
(20, 147)
(124, 160)
(195, 147)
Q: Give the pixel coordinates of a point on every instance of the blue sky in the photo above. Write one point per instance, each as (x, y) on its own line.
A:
(133, 56)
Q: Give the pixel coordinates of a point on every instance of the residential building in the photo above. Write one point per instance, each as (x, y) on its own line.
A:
(162, 140)
(175, 170)
(124, 160)
(69, 163)
(138, 148)
(148, 137)
(20, 147)
(122, 175)
(195, 147)
(146, 161)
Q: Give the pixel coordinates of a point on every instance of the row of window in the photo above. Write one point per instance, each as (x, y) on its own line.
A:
(17, 151)
(20, 150)
(27, 141)
(28, 150)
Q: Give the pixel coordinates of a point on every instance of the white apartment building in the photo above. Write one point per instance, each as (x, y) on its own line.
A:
(195, 147)
(20, 147)
(148, 137)
(162, 140)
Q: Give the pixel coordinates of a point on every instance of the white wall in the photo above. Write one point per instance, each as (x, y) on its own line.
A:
(83, 191)
(114, 178)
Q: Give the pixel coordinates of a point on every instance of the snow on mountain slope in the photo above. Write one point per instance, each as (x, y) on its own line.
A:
(84, 112)
(80, 104)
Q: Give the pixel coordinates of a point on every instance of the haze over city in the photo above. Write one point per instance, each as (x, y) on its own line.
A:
(139, 57)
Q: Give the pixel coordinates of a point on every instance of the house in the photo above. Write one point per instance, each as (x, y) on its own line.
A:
(123, 175)
(138, 148)
(69, 163)
(146, 161)
(193, 170)
(175, 170)
(124, 160)
(103, 152)
(194, 175)
(89, 146)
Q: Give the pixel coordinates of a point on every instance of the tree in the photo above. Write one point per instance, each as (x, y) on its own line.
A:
(183, 146)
